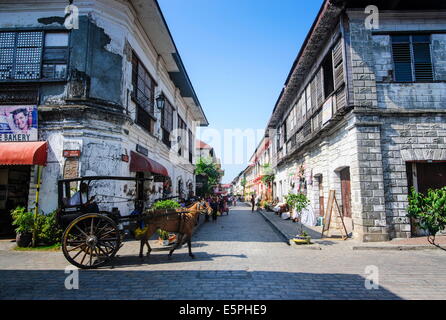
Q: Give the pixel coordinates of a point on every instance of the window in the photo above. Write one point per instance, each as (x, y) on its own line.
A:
(33, 55)
(143, 86)
(327, 67)
(412, 58)
(182, 135)
(338, 64)
(167, 123)
(191, 140)
(20, 55)
(55, 56)
(143, 95)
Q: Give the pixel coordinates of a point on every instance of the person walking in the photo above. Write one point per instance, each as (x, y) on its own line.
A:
(214, 205)
(253, 202)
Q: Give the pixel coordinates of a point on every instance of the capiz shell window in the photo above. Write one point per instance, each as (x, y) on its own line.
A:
(33, 55)
(20, 55)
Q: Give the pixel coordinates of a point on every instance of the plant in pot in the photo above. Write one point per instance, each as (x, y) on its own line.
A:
(299, 202)
(24, 222)
(165, 237)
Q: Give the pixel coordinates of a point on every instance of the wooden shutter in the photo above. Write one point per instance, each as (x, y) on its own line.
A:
(338, 64)
(422, 62)
(319, 88)
(313, 87)
(341, 99)
(402, 58)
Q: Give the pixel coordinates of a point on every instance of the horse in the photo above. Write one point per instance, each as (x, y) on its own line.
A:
(181, 223)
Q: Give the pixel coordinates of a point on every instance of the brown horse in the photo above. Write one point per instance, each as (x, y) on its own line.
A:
(181, 223)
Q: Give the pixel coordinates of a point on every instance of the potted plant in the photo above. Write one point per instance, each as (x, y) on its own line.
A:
(163, 237)
(299, 202)
(303, 238)
(24, 221)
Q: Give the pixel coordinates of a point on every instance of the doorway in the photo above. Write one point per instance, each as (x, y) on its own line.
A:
(346, 193)
(424, 176)
(14, 189)
(430, 176)
(320, 181)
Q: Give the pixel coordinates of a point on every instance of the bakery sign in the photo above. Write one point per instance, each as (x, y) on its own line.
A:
(18, 123)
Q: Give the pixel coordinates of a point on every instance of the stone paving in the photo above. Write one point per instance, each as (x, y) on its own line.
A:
(239, 257)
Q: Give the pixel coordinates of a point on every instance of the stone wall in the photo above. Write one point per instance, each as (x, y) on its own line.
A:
(406, 139)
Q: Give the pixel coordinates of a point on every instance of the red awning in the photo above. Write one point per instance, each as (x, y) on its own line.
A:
(139, 163)
(23, 153)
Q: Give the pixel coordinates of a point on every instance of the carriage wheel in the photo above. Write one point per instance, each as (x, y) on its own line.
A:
(90, 241)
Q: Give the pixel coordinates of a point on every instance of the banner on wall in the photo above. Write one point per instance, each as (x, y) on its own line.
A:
(18, 123)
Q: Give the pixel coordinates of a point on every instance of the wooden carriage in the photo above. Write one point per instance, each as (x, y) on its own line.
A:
(91, 239)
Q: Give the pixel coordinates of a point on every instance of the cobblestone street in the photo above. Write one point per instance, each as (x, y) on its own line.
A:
(239, 257)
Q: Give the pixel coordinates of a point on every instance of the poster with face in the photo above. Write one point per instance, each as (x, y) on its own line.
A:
(18, 123)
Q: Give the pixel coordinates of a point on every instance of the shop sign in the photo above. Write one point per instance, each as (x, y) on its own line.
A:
(71, 153)
(18, 123)
(142, 150)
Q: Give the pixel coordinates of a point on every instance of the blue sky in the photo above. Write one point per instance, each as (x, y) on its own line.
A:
(238, 54)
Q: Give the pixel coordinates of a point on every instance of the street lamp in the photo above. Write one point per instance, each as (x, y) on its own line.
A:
(160, 101)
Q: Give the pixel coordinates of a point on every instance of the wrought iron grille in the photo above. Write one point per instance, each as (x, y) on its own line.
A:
(18, 94)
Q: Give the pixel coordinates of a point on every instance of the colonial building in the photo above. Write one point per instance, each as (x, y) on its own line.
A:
(89, 81)
(260, 160)
(363, 112)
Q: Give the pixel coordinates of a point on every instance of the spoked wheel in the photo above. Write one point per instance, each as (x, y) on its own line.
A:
(90, 241)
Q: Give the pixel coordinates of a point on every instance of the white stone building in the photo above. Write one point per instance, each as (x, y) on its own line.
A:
(94, 85)
(363, 112)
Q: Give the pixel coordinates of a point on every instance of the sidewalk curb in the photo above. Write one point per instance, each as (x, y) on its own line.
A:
(395, 247)
(286, 239)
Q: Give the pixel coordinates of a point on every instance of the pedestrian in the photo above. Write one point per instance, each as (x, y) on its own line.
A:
(258, 201)
(234, 201)
(253, 202)
(214, 205)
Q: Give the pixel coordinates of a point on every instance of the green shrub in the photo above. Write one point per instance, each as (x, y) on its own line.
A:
(165, 205)
(429, 211)
(23, 220)
(47, 231)
(297, 201)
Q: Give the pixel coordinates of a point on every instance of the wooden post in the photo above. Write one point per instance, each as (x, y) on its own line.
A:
(36, 209)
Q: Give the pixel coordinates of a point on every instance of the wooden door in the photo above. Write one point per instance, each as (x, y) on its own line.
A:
(346, 193)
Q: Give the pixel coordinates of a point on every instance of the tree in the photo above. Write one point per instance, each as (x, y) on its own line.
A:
(205, 167)
(429, 212)
(243, 184)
